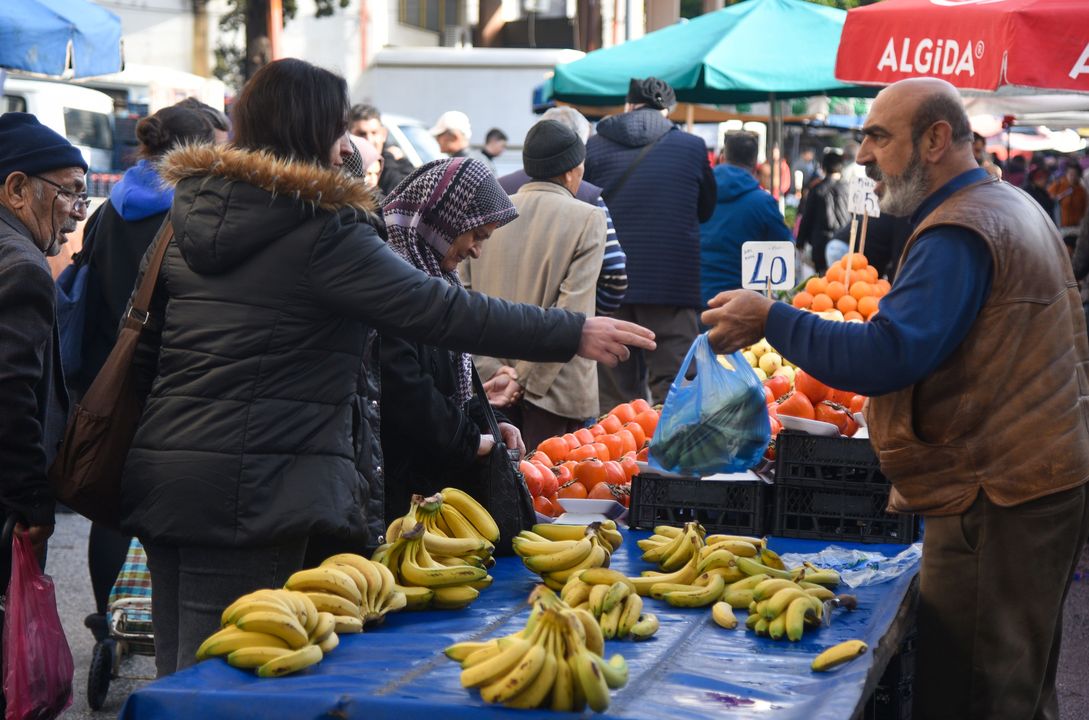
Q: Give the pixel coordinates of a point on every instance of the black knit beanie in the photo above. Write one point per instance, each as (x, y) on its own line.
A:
(652, 92)
(28, 146)
(551, 149)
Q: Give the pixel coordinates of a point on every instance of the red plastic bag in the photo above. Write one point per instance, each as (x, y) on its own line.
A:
(37, 661)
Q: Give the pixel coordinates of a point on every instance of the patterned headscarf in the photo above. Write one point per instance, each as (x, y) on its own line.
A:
(429, 209)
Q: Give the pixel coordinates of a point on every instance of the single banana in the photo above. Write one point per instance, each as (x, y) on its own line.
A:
(562, 697)
(231, 638)
(255, 657)
(821, 576)
(633, 608)
(737, 599)
(598, 557)
(611, 536)
(739, 548)
(761, 626)
(330, 643)
(326, 579)
(751, 620)
(518, 678)
(668, 531)
(658, 590)
(333, 604)
(723, 615)
(393, 530)
(604, 576)
(661, 552)
(458, 524)
(592, 681)
(483, 654)
(524, 547)
(838, 654)
(357, 577)
(699, 597)
(769, 587)
(511, 652)
(748, 582)
(323, 628)
(455, 547)
(537, 692)
(652, 542)
(610, 620)
(595, 638)
(718, 538)
(777, 627)
(561, 560)
(453, 597)
(645, 627)
(244, 609)
(282, 626)
(751, 567)
(473, 511)
(311, 612)
(690, 543)
(728, 574)
(387, 584)
(395, 600)
(780, 601)
(771, 558)
(795, 617)
(616, 594)
(292, 662)
(718, 558)
(575, 592)
(552, 531)
(821, 593)
(482, 583)
(459, 651)
(597, 599)
(614, 670)
(344, 625)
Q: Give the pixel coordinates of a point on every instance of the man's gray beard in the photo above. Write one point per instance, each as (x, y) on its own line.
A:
(904, 193)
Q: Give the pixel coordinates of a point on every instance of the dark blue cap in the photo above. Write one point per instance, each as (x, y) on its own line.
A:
(28, 146)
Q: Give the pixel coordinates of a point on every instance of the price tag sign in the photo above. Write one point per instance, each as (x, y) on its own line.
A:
(767, 265)
(861, 198)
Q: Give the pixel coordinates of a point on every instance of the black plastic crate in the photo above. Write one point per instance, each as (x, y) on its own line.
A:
(736, 508)
(831, 488)
(890, 702)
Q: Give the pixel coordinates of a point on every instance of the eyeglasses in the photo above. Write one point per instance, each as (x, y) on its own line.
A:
(79, 199)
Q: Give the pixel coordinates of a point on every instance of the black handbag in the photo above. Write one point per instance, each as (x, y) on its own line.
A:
(498, 485)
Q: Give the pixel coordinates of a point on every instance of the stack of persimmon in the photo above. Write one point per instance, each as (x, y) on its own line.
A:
(858, 301)
(596, 462)
(810, 399)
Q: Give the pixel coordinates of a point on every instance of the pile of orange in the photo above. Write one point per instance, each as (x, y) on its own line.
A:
(860, 301)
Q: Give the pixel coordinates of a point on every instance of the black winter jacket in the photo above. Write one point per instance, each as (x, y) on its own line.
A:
(658, 211)
(825, 212)
(258, 413)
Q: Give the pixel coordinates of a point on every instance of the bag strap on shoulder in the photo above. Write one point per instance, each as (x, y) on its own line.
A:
(612, 191)
(489, 414)
(138, 311)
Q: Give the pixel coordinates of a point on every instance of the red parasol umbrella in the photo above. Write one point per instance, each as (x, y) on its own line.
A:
(974, 44)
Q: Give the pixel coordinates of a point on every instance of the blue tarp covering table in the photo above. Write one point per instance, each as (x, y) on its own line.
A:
(690, 669)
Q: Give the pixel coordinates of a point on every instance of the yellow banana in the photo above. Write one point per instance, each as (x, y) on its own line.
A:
(769, 587)
(524, 547)
(458, 524)
(395, 600)
(771, 558)
(393, 530)
(552, 531)
(326, 579)
(684, 576)
(597, 599)
(738, 548)
(718, 538)
(699, 597)
(562, 697)
(780, 601)
(595, 638)
(611, 536)
(592, 681)
(668, 531)
(604, 576)
(330, 643)
(821, 593)
(616, 594)
(723, 615)
(598, 557)
(255, 606)
(292, 662)
(614, 670)
(333, 604)
(511, 652)
(838, 654)
(796, 615)
(659, 590)
(665, 550)
(777, 627)
(518, 678)
(728, 574)
(473, 511)
(737, 599)
(751, 620)
(821, 576)
(387, 584)
(561, 560)
(610, 620)
(719, 558)
(255, 657)
(357, 577)
(751, 567)
(748, 582)
(344, 625)
(481, 655)
(459, 651)
(286, 628)
(454, 547)
(310, 609)
(633, 608)
(453, 597)
(575, 592)
(646, 627)
(536, 693)
(652, 542)
(323, 628)
(416, 570)
(690, 543)
(231, 638)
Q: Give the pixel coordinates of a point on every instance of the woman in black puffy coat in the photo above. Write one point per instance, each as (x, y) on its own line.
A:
(254, 354)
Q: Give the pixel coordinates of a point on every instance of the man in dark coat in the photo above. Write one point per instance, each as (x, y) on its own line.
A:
(367, 124)
(659, 188)
(825, 210)
(42, 198)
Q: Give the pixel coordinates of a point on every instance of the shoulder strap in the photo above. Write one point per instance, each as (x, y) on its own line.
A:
(489, 414)
(90, 232)
(611, 192)
(137, 315)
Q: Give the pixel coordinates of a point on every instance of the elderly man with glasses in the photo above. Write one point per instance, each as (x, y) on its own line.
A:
(42, 198)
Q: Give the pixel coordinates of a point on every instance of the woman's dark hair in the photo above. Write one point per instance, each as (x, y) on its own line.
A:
(172, 126)
(293, 109)
(218, 118)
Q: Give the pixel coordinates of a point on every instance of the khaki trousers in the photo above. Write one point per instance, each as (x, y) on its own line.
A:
(992, 586)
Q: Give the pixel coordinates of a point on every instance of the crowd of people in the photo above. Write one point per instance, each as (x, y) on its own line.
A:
(333, 329)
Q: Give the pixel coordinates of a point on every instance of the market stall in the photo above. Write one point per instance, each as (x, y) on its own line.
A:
(690, 669)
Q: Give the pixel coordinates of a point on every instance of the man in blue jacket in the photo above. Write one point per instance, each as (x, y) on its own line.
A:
(745, 213)
(659, 187)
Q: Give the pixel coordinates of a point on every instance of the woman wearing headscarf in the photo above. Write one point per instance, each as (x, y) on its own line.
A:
(437, 430)
(259, 428)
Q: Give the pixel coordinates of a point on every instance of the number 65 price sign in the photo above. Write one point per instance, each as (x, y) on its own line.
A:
(767, 266)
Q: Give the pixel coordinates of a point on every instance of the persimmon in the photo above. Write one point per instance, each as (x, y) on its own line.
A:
(550, 480)
(648, 420)
(556, 448)
(596, 430)
(627, 442)
(542, 505)
(795, 404)
(624, 412)
(564, 472)
(810, 386)
(602, 492)
(584, 435)
(534, 481)
(614, 443)
(835, 414)
(574, 490)
(611, 423)
(631, 467)
(778, 384)
(638, 434)
(857, 402)
(843, 397)
(643, 455)
(586, 451)
(539, 457)
(614, 473)
(591, 472)
(821, 303)
(640, 405)
(768, 397)
(572, 441)
(802, 300)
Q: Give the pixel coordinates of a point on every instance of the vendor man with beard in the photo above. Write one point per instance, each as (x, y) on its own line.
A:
(42, 197)
(976, 368)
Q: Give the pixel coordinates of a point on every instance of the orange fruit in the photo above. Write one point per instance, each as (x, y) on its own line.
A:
(835, 290)
(858, 261)
(802, 300)
(867, 305)
(816, 285)
(821, 303)
(846, 304)
(881, 287)
(860, 289)
(871, 274)
(835, 273)
(852, 315)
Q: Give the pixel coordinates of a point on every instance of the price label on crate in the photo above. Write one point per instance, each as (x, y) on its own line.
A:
(767, 265)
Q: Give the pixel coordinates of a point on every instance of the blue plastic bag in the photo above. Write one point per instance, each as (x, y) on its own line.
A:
(716, 422)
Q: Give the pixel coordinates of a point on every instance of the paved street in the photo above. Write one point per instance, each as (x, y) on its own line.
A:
(68, 566)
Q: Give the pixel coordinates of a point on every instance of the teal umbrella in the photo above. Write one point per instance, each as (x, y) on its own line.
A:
(744, 53)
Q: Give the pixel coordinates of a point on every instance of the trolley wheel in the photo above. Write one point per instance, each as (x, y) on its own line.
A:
(100, 673)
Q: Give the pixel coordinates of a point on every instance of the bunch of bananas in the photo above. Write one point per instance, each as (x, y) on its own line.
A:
(276, 632)
(558, 552)
(351, 588)
(555, 662)
(613, 601)
(440, 551)
(668, 549)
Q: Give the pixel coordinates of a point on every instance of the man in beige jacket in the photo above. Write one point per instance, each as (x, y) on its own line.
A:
(550, 256)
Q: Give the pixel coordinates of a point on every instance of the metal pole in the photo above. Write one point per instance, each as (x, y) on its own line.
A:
(275, 27)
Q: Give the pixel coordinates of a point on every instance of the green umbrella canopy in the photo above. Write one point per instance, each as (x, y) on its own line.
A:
(738, 54)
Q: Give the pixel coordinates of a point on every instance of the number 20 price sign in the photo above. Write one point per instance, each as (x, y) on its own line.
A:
(767, 266)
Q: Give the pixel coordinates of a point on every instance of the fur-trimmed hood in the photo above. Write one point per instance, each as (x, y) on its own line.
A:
(230, 203)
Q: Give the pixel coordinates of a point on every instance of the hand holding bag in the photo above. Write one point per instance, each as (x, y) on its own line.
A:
(86, 474)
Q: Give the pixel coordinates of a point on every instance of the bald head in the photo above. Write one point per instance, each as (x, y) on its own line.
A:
(928, 101)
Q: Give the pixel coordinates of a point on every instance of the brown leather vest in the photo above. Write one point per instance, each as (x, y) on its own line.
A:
(1008, 410)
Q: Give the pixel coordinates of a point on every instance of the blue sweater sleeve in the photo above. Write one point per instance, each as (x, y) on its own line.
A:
(777, 227)
(933, 304)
